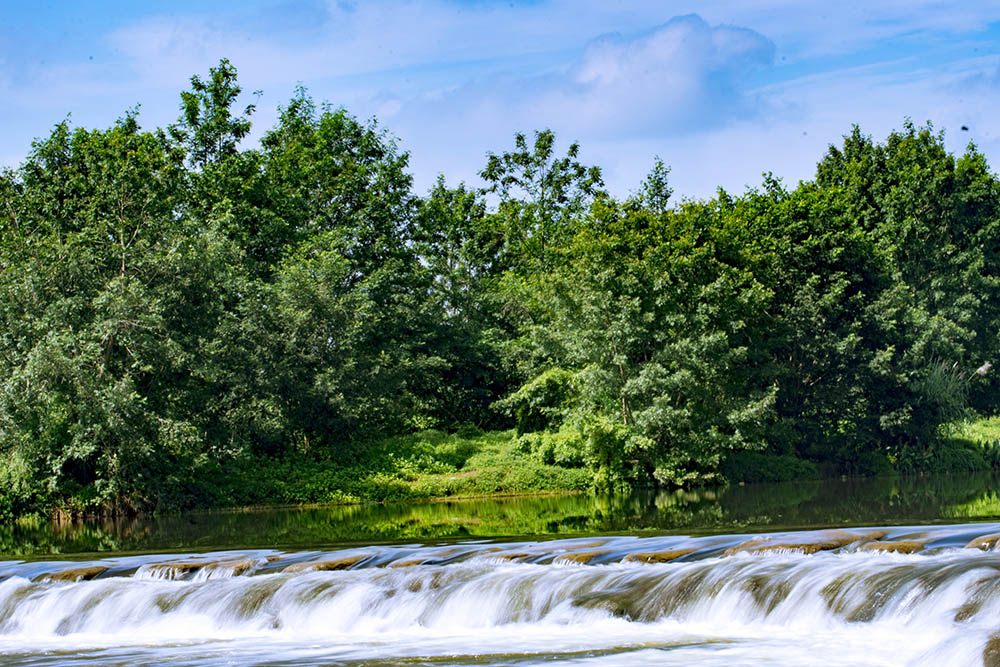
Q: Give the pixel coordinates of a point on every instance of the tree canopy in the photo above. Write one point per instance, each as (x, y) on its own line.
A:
(175, 299)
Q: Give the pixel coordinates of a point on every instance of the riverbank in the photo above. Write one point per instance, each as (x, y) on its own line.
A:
(425, 465)
(902, 501)
(262, 333)
(432, 464)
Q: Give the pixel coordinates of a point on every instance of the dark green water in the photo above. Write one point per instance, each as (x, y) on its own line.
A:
(765, 507)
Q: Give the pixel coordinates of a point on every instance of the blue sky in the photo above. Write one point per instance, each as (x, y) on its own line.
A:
(721, 90)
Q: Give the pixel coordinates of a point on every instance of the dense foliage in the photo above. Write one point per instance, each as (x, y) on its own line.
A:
(175, 305)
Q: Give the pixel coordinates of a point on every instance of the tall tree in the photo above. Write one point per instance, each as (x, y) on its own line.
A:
(936, 219)
(105, 296)
(541, 198)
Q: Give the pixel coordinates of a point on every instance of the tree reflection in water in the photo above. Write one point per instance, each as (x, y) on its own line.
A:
(889, 501)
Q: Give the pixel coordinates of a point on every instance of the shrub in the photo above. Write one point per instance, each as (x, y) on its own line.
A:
(543, 402)
(566, 448)
(746, 466)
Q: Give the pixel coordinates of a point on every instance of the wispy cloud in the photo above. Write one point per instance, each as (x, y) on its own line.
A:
(739, 87)
(680, 77)
(684, 74)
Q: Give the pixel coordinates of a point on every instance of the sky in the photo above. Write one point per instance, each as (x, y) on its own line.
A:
(721, 90)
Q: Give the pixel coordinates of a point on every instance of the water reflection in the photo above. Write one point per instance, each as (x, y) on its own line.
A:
(764, 507)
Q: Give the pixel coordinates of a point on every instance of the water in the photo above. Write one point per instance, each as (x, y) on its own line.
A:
(768, 576)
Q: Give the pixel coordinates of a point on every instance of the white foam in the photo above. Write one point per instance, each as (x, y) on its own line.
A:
(780, 608)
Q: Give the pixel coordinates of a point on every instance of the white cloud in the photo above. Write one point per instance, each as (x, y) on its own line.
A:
(684, 74)
(681, 77)
(455, 79)
(682, 70)
(808, 115)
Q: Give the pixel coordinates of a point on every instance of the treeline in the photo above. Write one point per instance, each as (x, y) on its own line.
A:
(173, 302)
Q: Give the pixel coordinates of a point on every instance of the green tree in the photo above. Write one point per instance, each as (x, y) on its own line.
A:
(104, 299)
(656, 191)
(207, 128)
(656, 321)
(541, 198)
(454, 242)
(934, 217)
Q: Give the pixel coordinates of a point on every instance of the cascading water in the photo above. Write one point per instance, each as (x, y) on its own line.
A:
(921, 596)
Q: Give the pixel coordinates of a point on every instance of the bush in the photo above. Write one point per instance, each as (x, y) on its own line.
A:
(948, 455)
(981, 435)
(566, 448)
(746, 466)
(543, 402)
(868, 464)
(6, 510)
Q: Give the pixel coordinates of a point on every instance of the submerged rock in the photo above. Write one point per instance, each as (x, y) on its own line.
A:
(591, 544)
(513, 556)
(984, 542)
(898, 547)
(658, 556)
(73, 574)
(980, 593)
(541, 554)
(581, 557)
(991, 652)
(327, 565)
(429, 558)
(411, 562)
(806, 544)
(235, 567)
(173, 570)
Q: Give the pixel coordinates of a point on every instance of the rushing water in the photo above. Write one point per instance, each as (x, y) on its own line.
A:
(739, 588)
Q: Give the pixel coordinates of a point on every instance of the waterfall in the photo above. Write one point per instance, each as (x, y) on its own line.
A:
(864, 596)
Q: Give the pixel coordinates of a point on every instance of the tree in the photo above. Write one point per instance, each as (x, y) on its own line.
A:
(540, 196)
(455, 244)
(104, 299)
(328, 172)
(655, 320)
(656, 191)
(207, 128)
(935, 218)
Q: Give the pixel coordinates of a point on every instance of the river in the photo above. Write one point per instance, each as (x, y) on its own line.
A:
(883, 572)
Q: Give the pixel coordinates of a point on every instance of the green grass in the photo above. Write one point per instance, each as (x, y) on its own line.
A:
(428, 464)
(970, 445)
(981, 436)
(434, 464)
(984, 431)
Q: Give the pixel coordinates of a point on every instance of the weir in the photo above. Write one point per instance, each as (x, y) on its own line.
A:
(918, 595)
